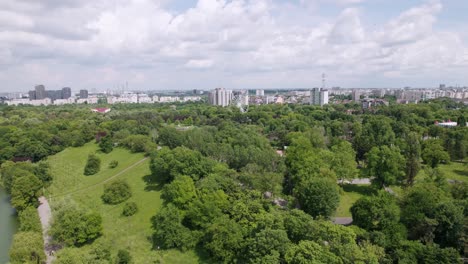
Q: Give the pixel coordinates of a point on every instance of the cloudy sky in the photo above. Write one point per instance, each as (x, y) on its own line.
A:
(190, 44)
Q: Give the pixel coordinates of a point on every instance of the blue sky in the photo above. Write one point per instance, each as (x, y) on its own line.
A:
(188, 44)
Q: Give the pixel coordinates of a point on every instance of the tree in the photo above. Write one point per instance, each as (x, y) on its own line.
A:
(169, 231)
(167, 164)
(27, 247)
(139, 143)
(75, 226)
(344, 161)
(433, 153)
(318, 197)
(93, 165)
(461, 121)
(413, 156)
(268, 242)
(106, 145)
(116, 192)
(378, 212)
(123, 257)
(25, 191)
(310, 252)
(130, 209)
(298, 225)
(179, 192)
(224, 239)
(385, 165)
(29, 220)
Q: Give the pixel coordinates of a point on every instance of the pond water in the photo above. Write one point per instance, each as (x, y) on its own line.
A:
(8, 225)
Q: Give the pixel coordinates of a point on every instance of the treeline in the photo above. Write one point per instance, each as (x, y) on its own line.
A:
(260, 187)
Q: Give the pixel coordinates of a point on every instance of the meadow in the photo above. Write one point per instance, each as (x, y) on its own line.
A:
(133, 233)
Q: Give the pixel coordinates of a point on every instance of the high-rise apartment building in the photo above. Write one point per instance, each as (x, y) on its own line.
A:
(32, 95)
(356, 95)
(220, 96)
(260, 92)
(40, 92)
(83, 94)
(318, 96)
(66, 92)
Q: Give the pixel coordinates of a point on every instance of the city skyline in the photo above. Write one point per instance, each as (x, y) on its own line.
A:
(267, 44)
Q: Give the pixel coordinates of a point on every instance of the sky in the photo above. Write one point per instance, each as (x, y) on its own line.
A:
(204, 44)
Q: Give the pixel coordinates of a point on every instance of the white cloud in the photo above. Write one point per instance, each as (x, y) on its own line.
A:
(199, 64)
(256, 43)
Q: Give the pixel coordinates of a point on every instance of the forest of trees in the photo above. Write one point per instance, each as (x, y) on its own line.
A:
(228, 192)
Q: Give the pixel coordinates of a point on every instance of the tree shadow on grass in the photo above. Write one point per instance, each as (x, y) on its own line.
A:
(152, 184)
(461, 172)
(361, 189)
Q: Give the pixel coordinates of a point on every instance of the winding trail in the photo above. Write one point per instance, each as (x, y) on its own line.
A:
(45, 215)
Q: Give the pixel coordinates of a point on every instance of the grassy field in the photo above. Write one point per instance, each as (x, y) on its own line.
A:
(349, 195)
(132, 233)
(453, 171)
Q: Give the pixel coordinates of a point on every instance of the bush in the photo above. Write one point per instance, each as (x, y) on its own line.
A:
(116, 192)
(75, 226)
(106, 144)
(130, 209)
(93, 165)
(113, 164)
(29, 220)
(27, 247)
(123, 257)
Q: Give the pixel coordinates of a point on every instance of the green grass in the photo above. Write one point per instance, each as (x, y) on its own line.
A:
(348, 196)
(132, 233)
(453, 171)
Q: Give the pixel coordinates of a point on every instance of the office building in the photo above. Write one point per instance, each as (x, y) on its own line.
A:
(40, 92)
(66, 93)
(83, 94)
(221, 97)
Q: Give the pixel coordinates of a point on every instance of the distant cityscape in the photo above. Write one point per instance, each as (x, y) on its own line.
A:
(368, 98)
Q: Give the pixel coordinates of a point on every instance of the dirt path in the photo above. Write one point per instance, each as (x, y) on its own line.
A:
(45, 215)
(104, 181)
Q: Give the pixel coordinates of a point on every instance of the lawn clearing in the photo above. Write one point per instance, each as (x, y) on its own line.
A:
(348, 196)
(133, 233)
(454, 171)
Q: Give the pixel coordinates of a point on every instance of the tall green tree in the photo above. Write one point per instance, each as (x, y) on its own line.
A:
(344, 161)
(386, 165)
(412, 155)
(25, 191)
(106, 145)
(318, 196)
(433, 153)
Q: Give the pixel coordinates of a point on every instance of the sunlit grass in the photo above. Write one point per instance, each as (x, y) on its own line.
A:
(132, 233)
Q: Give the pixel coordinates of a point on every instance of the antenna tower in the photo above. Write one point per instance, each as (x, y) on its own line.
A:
(324, 80)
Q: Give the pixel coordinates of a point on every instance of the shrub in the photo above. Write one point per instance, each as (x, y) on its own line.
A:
(113, 164)
(116, 192)
(75, 226)
(130, 209)
(123, 257)
(93, 165)
(29, 220)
